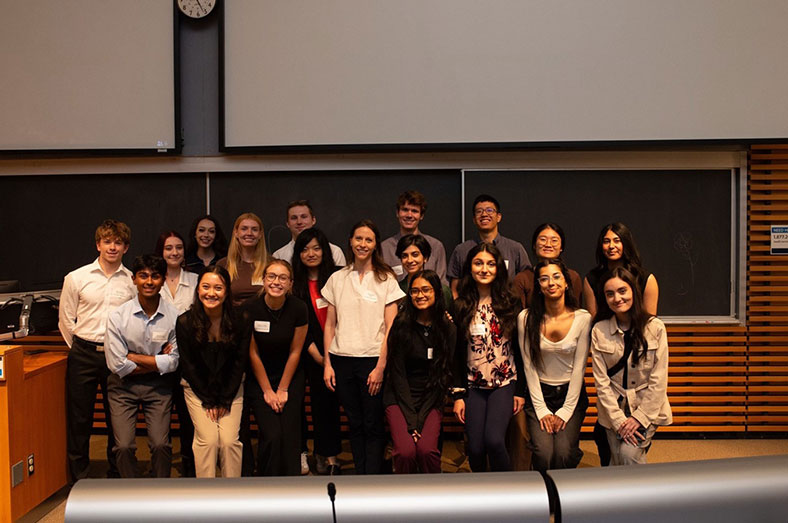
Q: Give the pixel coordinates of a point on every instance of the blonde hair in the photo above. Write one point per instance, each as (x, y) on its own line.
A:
(234, 252)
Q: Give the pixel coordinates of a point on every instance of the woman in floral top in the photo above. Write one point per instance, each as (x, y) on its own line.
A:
(487, 390)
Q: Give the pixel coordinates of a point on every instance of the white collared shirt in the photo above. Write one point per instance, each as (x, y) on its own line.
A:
(87, 298)
(184, 291)
(129, 329)
(286, 254)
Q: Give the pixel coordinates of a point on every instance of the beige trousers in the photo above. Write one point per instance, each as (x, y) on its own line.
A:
(215, 439)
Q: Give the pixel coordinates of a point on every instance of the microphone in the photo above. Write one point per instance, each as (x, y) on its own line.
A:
(332, 494)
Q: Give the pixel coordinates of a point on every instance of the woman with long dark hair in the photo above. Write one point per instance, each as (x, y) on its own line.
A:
(616, 247)
(629, 350)
(418, 374)
(313, 264)
(554, 336)
(489, 384)
(414, 252)
(179, 286)
(213, 349)
(362, 303)
(207, 244)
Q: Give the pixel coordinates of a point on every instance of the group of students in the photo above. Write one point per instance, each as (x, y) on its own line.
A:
(390, 336)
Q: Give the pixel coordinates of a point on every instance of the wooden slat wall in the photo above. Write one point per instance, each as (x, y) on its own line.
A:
(725, 379)
(767, 291)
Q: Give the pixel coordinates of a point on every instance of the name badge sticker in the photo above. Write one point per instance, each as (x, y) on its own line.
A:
(397, 270)
(370, 296)
(321, 303)
(159, 336)
(429, 353)
(262, 326)
(478, 329)
(506, 262)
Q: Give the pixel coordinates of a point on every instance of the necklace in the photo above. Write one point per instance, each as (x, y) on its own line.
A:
(276, 314)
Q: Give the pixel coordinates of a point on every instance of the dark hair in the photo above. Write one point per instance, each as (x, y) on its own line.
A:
(486, 198)
(113, 229)
(418, 240)
(199, 319)
(299, 203)
(552, 226)
(413, 198)
(163, 238)
(630, 255)
(504, 302)
(151, 262)
(381, 268)
(404, 332)
(301, 271)
(219, 245)
(536, 311)
(638, 316)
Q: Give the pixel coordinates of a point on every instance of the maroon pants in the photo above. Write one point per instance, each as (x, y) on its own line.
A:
(410, 456)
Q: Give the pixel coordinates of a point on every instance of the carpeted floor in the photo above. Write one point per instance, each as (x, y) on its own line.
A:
(453, 460)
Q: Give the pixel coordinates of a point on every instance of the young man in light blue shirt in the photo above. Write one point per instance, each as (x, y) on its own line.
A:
(141, 354)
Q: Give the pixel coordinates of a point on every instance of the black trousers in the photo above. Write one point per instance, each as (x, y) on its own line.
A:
(325, 412)
(86, 370)
(364, 412)
(186, 430)
(279, 439)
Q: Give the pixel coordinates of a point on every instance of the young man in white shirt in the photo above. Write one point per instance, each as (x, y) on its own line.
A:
(141, 352)
(300, 217)
(89, 294)
(411, 207)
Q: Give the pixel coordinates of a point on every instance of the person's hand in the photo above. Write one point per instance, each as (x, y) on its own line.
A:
(459, 410)
(167, 349)
(329, 377)
(375, 380)
(281, 395)
(629, 431)
(221, 412)
(558, 424)
(272, 400)
(546, 424)
(448, 317)
(519, 403)
(416, 436)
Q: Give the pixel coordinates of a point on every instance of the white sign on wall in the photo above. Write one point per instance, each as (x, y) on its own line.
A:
(779, 239)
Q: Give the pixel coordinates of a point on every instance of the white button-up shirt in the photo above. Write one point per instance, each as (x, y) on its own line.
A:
(184, 291)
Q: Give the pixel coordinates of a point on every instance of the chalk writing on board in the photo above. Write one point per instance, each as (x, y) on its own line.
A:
(682, 244)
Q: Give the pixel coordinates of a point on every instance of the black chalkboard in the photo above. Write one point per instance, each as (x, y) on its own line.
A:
(48, 222)
(339, 199)
(681, 221)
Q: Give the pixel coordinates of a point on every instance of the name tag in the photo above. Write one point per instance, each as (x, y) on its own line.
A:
(506, 262)
(397, 270)
(370, 297)
(429, 353)
(258, 281)
(121, 294)
(262, 326)
(321, 303)
(478, 329)
(159, 336)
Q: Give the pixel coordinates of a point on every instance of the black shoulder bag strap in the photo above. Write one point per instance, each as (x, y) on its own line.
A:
(620, 364)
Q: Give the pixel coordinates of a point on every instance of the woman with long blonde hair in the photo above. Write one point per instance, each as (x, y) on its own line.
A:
(246, 257)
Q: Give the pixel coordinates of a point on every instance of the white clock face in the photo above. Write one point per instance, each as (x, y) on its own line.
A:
(196, 8)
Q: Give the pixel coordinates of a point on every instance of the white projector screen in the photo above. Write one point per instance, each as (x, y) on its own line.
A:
(355, 72)
(87, 74)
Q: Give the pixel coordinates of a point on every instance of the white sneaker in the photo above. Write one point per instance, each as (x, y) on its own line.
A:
(304, 464)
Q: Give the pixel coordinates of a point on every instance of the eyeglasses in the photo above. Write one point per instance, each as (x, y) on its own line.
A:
(426, 291)
(544, 240)
(544, 280)
(271, 277)
(487, 210)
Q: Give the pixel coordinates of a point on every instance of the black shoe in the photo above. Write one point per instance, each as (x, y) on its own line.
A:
(334, 470)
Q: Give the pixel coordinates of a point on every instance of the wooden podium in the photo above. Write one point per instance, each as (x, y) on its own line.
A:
(32, 423)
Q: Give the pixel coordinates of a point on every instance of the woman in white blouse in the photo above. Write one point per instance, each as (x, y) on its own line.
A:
(554, 339)
(180, 284)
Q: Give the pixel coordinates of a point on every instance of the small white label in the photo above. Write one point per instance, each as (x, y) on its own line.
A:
(478, 329)
(159, 336)
(2, 373)
(321, 303)
(262, 326)
(429, 353)
(506, 262)
(779, 240)
(258, 281)
(397, 270)
(370, 296)
(121, 294)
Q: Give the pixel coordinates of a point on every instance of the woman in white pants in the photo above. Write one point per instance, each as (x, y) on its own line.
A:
(213, 360)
